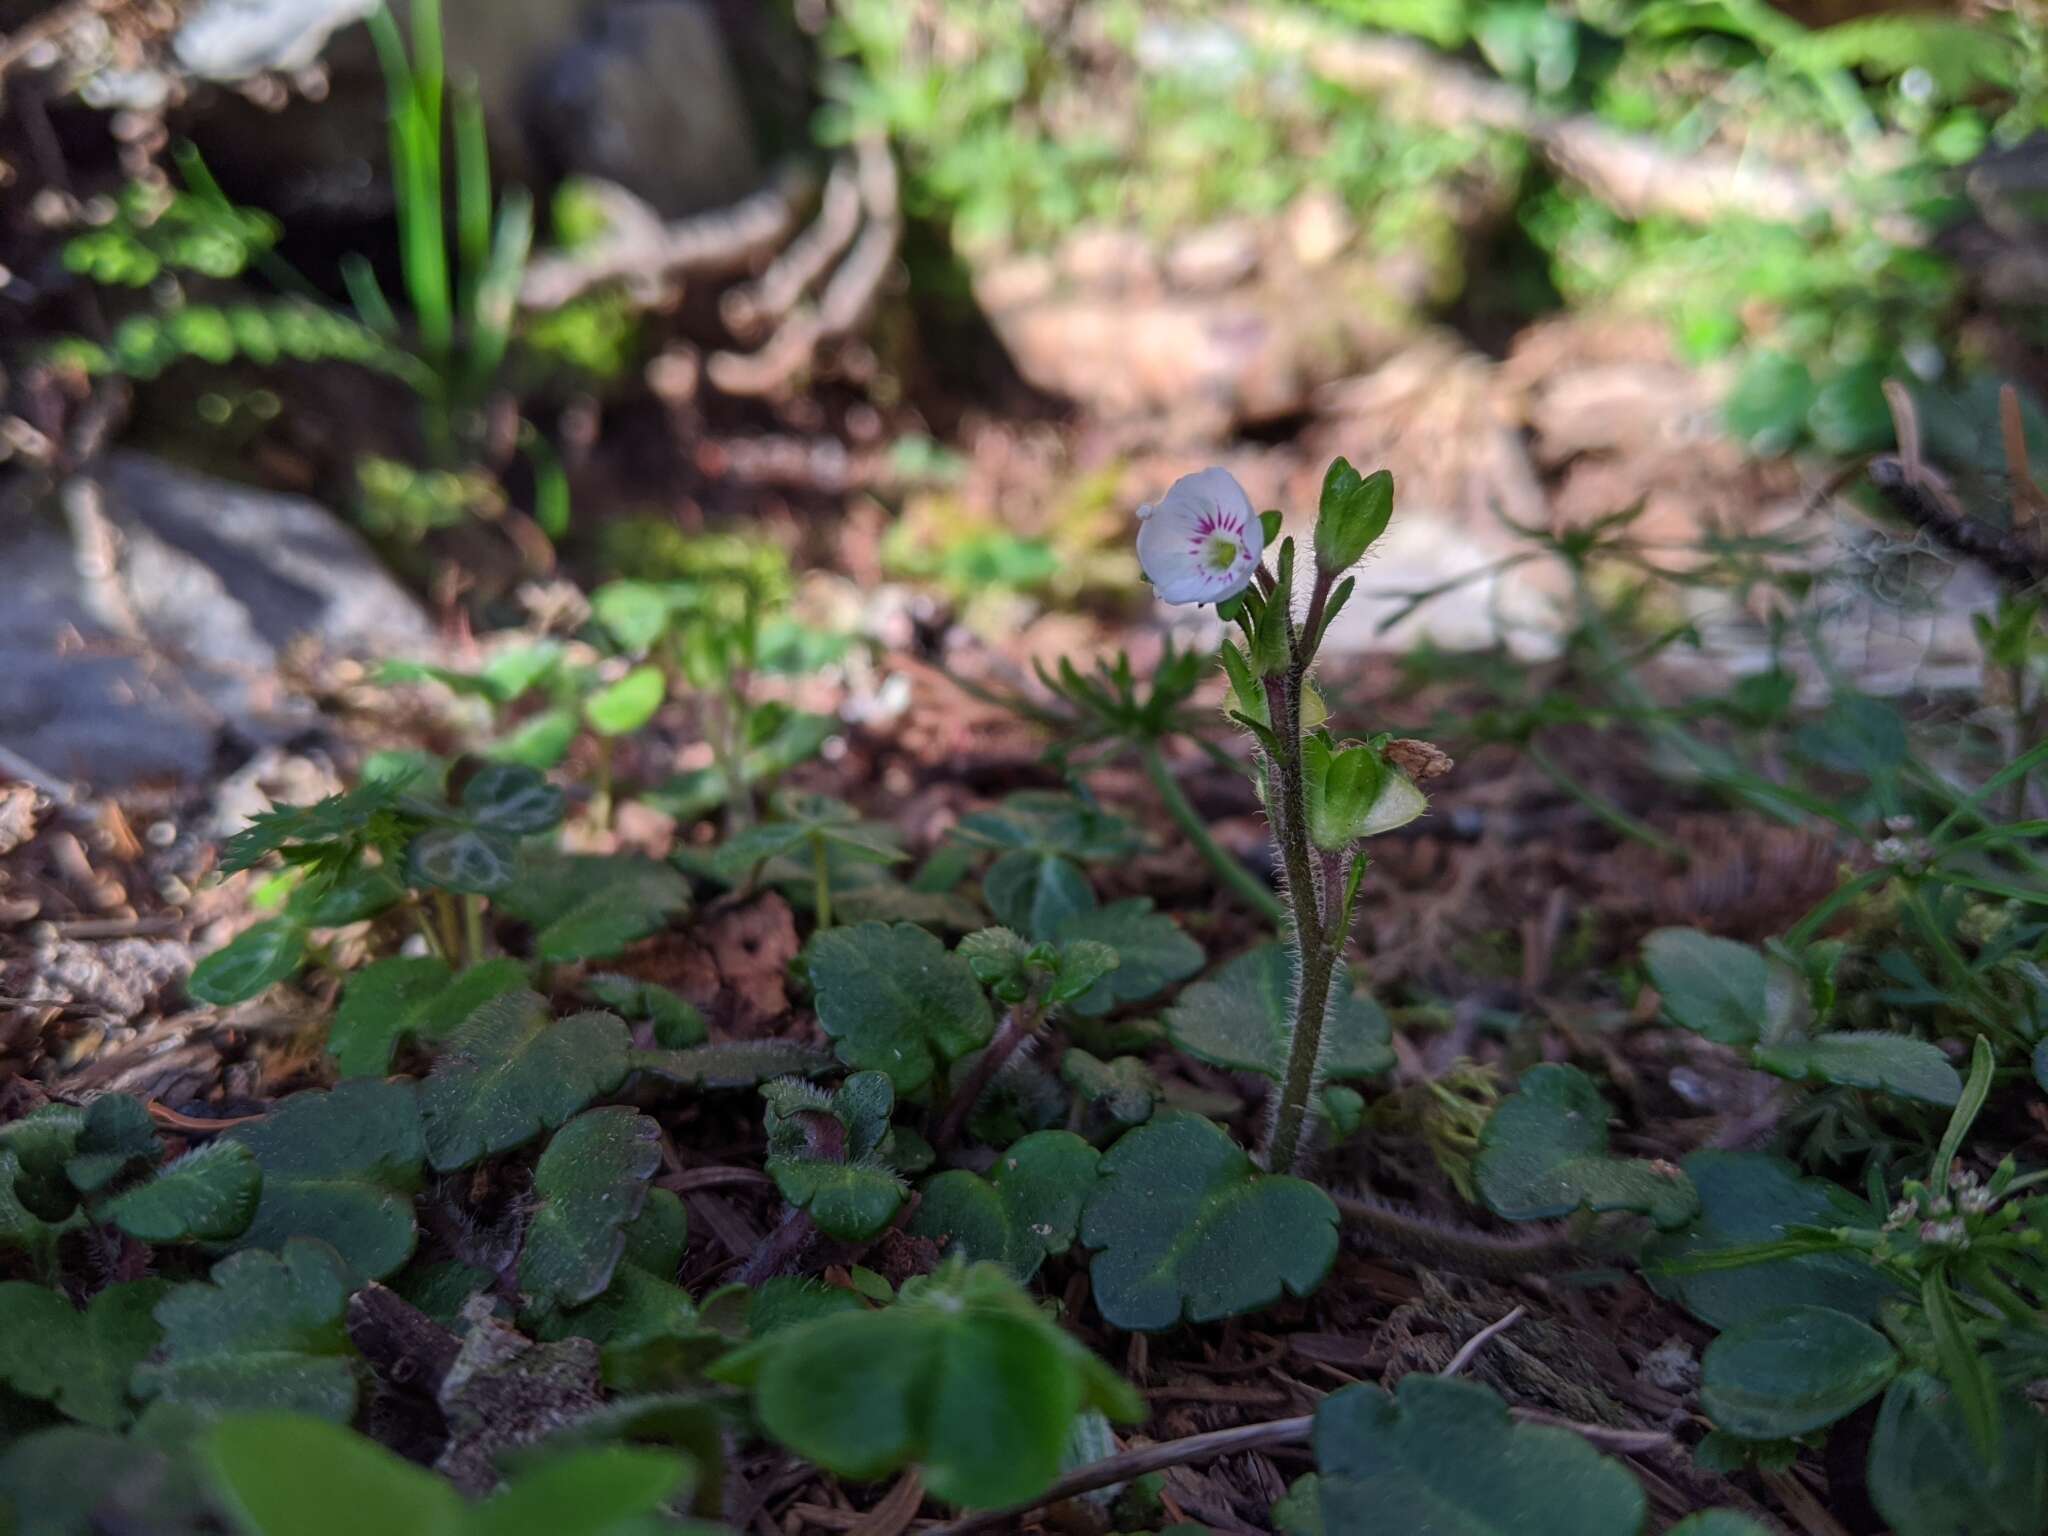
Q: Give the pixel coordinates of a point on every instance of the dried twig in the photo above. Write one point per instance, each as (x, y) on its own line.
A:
(1471, 1347)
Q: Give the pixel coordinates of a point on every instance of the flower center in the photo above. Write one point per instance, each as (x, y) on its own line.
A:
(1219, 552)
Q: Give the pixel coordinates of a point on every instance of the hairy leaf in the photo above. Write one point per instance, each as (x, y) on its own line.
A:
(81, 1361)
(1029, 1206)
(1543, 1153)
(591, 1182)
(409, 995)
(1890, 1063)
(207, 1196)
(589, 907)
(1241, 1019)
(894, 1001)
(1152, 953)
(511, 1072)
(735, 1063)
(1927, 1478)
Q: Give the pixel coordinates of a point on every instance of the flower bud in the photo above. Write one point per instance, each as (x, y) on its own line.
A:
(1354, 511)
(1353, 792)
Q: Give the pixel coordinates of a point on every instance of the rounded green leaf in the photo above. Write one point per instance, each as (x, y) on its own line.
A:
(589, 906)
(964, 1375)
(250, 964)
(511, 1072)
(1035, 892)
(1713, 987)
(850, 1201)
(207, 1196)
(511, 798)
(1444, 1457)
(1888, 1063)
(409, 995)
(893, 1000)
(341, 1166)
(1186, 1227)
(1793, 1371)
(591, 1182)
(1239, 1019)
(264, 1332)
(1151, 950)
(622, 708)
(117, 1135)
(600, 1490)
(1748, 1197)
(1543, 1153)
(1029, 1206)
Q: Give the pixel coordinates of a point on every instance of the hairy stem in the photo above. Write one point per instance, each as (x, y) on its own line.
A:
(1315, 952)
(785, 1245)
(1018, 1026)
(1408, 1234)
(1241, 882)
(821, 876)
(473, 928)
(1304, 1057)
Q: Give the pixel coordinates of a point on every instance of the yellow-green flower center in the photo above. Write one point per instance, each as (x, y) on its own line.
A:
(1219, 553)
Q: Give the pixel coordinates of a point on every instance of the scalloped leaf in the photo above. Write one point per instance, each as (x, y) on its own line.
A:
(1443, 1456)
(512, 1072)
(1152, 953)
(250, 964)
(591, 1183)
(81, 1361)
(117, 1136)
(964, 1375)
(409, 995)
(1027, 1208)
(264, 1332)
(735, 1063)
(341, 1166)
(1240, 1018)
(1874, 1059)
(1185, 1227)
(893, 1000)
(41, 1145)
(1035, 893)
(591, 906)
(677, 1023)
(207, 1196)
(1793, 1371)
(1543, 1153)
(1748, 1197)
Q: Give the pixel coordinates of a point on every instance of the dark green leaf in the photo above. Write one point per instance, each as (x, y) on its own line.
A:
(1240, 1019)
(1746, 1198)
(1874, 1059)
(284, 1474)
(511, 798)
(1713, 987)
(591, 1182)
(1790, 1372)
(250, 964)
(341, 1166)
(735, 1063)
(42, 1145)
(1035, 892)
(1188, 1228)
(511, 1072)
(589, 906)
(1543, 1153)
(893, 1000)
(677, 1023)
(462, 858)
(408, 995)
(117, 1135)
(1029, 1206)
(1927, 1479)
(964, 1375)
(1444, 1457)
(207, 1196)
(359, 894)
(1152, 953)
(81, 1361)
(264, 1332)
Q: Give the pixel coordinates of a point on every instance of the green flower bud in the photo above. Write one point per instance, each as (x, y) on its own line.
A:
(1354, 511)
(1353, 792)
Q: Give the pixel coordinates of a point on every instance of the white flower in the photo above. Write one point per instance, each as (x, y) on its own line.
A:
(1201, 541)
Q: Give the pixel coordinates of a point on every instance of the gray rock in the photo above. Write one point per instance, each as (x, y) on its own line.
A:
(145, 645)
(234, 39)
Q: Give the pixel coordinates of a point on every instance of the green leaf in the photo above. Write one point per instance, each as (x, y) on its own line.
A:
(361, 892)
(1875, 1059)
(893, 1000)
(589, 906)
(1186, 1227)
(462, 858)
(510, 1073)
(849, 1201)
(540, 741)
(341, 1166)
(283, 1474)
(21, 1228)
(1964, 1370)
(250, 964)
(351, 816)
(1035, 892)
(1717, 1522)
(591, 1182)
(1713, 987)
(603, 1490)
(511, 798)
(1927, 1479)
(81, 1361)
(1052, 823)
(207, 1196)
(42, 1145)
(677, 1023)
(117, 1136)
(1746, 1198)
(1351, 514)
(735, 1063)
(1124, 1088)
(71, 1481)
(1543, 1153)
(1444, 1457)
(265, 1332)
(622, 708)
(1241, 1017)
(1793, 1371)
(963, 1375)
(1028, 1207)
(1152, 953)
(823, 1153)
(650, 1335)
(409, 995)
